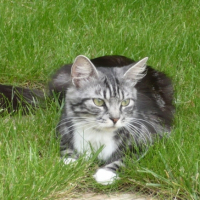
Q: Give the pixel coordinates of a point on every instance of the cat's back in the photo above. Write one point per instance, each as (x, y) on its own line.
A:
(61, 80)
(154, 84)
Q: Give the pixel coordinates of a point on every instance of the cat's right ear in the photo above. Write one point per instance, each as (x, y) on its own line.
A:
(82, 71)
(137, 71)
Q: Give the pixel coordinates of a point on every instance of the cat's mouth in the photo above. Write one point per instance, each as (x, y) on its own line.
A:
(108, 124)
(113, 127)
(106, 128)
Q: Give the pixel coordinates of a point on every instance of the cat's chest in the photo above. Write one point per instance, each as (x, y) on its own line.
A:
(92, 140)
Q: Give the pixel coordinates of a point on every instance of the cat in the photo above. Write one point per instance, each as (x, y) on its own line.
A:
(112, 105)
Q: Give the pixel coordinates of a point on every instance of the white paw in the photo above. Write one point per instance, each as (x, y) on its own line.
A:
(105, 177)
(67, 161)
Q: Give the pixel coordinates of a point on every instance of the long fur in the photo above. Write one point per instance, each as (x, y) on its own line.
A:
(14, 98)
(78, 128)
(84, 128)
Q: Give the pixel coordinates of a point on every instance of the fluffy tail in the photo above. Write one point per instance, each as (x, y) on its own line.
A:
(14, 98)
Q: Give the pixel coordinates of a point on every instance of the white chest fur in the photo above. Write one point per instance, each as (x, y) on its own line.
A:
(92, 140)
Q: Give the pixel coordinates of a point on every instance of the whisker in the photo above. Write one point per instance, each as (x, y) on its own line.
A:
(139, 133)
(80, 124)
(75, 122)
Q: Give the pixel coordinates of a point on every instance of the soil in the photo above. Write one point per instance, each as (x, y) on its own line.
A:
(112, 196)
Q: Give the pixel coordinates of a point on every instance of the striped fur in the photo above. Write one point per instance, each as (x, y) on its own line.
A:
(85, 128)
(135, 108)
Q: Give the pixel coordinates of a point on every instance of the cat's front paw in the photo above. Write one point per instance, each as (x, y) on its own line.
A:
(105, 177)
(68, 161)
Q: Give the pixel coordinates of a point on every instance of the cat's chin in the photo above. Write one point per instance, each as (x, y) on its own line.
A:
(110, 128)
(107, 129)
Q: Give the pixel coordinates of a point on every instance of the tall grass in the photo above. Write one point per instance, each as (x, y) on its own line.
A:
(37, 37)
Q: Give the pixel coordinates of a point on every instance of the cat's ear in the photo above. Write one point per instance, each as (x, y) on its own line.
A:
(82, 70)
(137, 71)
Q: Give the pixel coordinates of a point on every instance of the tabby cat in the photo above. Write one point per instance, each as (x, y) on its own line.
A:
(112, 104)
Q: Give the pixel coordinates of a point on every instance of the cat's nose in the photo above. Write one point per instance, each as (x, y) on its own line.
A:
(114, 120)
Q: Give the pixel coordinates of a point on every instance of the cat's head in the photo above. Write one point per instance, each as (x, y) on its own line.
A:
(103, 100)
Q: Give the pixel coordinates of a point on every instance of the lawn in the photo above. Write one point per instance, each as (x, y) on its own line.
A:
(37, 37)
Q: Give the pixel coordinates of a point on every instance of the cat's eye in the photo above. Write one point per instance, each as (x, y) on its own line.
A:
(125, 102)
(98, 102)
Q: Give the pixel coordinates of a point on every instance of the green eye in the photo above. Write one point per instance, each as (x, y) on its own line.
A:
(125, 102)
(98, 102)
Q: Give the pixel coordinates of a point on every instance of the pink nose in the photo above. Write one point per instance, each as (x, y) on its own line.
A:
(114, 120)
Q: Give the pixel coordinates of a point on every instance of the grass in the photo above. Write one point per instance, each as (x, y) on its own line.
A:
(37, 37)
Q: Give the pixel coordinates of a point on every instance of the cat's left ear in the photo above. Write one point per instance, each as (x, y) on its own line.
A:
(137, 71)
(82, 71)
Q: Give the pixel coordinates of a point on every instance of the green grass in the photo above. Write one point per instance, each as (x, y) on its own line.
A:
(37, 37)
